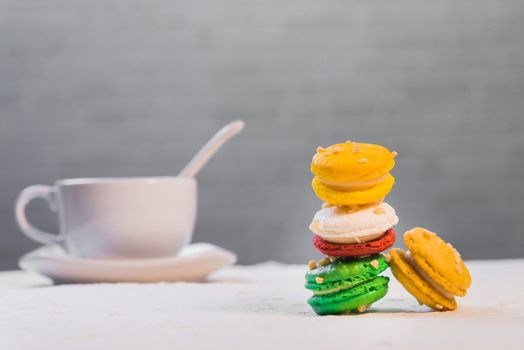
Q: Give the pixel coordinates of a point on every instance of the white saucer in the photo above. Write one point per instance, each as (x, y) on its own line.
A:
(193, 264)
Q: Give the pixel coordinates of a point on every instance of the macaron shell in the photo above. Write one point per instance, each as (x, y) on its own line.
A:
(347, 225)
(346, 269)
(351, 299)
(439, 260)
(437, 278)
(357, 249)
(352, 161)
(360, 196)
(416, 285)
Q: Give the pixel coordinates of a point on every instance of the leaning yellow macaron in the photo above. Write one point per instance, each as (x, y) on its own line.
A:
(432, 271)
(439, 260)
(352, 173)
(416, 285)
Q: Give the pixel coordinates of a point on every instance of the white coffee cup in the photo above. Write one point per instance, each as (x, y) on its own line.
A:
(116, 218)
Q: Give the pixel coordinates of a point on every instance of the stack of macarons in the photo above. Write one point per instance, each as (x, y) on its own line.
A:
(352, 228)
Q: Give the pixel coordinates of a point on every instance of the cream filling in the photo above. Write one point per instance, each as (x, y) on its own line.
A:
(425, 276)
(329, 291)
(354, 184)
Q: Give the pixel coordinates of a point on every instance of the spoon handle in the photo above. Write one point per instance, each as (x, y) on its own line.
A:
(210, 148)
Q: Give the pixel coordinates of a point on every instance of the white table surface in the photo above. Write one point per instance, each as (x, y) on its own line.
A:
(255, 307)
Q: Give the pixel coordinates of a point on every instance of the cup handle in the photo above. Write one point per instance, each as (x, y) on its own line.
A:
(26, 196)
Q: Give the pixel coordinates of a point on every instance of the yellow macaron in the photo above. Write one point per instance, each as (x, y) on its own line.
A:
(417, 286)
(432, 271)
(439, 260)
(352, 173)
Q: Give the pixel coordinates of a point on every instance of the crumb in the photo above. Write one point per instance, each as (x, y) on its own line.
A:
(362, 308)
(394, 153)
(345, 209)
(312, 265)
(337, 150)
(324, 262)
(319, 280)
(456, 255)
(379, 211)
(374, 263)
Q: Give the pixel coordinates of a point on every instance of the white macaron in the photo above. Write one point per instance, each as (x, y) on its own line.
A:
(346, 225)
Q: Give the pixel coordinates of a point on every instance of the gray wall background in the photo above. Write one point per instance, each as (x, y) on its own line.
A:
(131, 88)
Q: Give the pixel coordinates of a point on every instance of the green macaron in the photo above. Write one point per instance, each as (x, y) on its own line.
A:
(347, 285)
